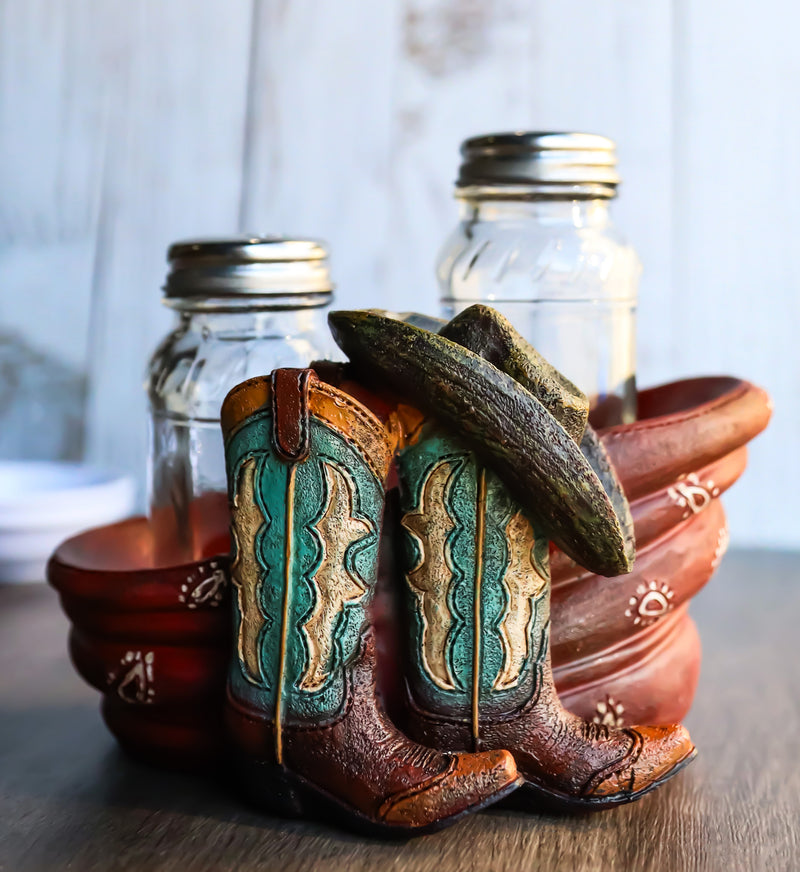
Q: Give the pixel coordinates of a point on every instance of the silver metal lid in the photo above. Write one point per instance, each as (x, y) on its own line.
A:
(538, 164)
(272, 267)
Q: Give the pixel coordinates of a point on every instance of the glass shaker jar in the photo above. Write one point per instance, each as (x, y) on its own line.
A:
(244, 307)
(536, 242)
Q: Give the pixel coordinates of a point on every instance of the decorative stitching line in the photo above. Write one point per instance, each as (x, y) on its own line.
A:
(350, 441)
(630, 758)
(363, 414)
(392, 801)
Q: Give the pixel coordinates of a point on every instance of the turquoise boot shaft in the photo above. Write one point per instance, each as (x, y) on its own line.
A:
(476, 584)
(310, 531)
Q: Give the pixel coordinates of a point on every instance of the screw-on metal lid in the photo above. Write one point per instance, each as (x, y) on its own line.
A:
(250, 266)
(557, 165)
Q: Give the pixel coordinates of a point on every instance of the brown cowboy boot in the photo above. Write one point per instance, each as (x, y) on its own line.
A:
(306, 468)
(479, 676)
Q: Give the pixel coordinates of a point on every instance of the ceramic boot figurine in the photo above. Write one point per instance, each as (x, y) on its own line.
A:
(306, 466)
(479, 676)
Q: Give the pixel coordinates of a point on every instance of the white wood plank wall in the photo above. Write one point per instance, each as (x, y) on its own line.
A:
(126, 125)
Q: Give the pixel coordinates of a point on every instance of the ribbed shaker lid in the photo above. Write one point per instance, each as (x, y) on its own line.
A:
(247, 266)
(555, 164)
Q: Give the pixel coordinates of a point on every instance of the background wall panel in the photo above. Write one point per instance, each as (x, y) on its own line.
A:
(320, 131)
(736, 292)
(173, 169)
(124, 126)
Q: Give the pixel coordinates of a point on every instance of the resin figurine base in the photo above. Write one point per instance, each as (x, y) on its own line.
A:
(153, 635)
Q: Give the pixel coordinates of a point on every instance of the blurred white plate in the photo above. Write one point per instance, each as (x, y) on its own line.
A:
(44, 502)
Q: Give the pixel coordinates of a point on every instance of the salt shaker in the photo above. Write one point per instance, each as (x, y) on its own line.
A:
(536, 241)
(244, 307)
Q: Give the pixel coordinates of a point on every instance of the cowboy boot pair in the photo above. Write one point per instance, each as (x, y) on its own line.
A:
(478, 672)
(307, 465)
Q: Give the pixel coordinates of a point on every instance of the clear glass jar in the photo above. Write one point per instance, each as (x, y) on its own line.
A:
(536, 241)
(244, 307)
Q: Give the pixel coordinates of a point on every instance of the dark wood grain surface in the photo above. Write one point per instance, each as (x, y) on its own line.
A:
(69, 799)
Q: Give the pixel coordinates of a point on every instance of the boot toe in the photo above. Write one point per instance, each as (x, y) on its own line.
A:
(665, 750)
(658, 753)
(470, 782)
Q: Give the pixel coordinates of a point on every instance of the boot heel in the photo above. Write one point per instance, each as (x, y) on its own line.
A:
(270, 787)
(283, 792)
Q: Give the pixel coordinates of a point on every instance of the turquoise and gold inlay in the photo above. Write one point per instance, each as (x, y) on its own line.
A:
(335, 582)
(306, 547)
(522, 582)
(430, 578)
(476, 580)
(249, 521)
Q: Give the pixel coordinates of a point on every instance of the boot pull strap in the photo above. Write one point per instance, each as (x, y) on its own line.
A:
(290, 413)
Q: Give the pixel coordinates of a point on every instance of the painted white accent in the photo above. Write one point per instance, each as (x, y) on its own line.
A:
(723, 540)
(133, 680)
(691, 494)
(202, 589)
(609, 712)
(651, 601)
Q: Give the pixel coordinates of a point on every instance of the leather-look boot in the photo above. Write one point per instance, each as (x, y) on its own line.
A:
(479, 676)
(306, 467)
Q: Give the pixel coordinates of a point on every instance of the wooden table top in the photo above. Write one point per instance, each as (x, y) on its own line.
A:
(69, 799)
